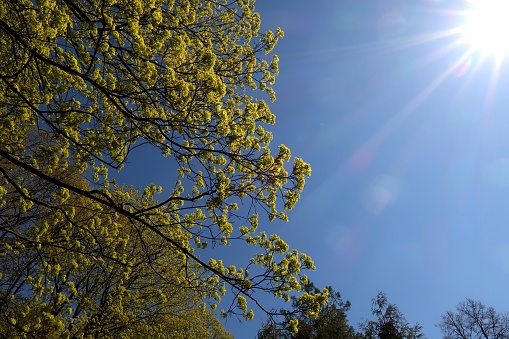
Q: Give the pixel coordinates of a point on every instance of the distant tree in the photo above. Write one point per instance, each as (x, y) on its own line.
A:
(83, 83)
(473, 320)
(331, 321)
(390, 323)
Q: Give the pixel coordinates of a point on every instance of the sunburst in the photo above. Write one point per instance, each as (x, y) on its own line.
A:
(487, 27)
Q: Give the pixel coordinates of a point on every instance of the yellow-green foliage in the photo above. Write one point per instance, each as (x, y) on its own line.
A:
(81, 270)
(82, 84)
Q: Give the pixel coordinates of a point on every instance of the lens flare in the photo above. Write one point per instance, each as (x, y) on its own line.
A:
(488, 25)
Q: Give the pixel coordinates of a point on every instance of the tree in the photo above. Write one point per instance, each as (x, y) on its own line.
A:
(390, 323)
(474, 320)
(93, 80)
(82, 270)
(330, 322)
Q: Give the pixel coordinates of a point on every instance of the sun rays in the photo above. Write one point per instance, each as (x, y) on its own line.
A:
(487, 26)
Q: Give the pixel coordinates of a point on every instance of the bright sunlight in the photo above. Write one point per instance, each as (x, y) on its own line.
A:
(488, 27)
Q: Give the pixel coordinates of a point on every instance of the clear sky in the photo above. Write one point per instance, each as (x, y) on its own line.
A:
(407, 130)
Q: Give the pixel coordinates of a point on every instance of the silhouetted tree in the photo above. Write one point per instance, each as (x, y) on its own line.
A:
(330, 322)
(390, 323)
(473, 320)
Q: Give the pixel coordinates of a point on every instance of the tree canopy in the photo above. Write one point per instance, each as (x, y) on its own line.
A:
(83, 270)
(83, 85)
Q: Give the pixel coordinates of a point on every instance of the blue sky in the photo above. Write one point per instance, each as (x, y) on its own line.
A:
(408, 137)
(407, 132)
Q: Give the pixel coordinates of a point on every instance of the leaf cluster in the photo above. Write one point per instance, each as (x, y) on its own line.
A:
(310, 320)
(71, 267)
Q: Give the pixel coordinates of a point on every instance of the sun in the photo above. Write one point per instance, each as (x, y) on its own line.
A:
(487, 28)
